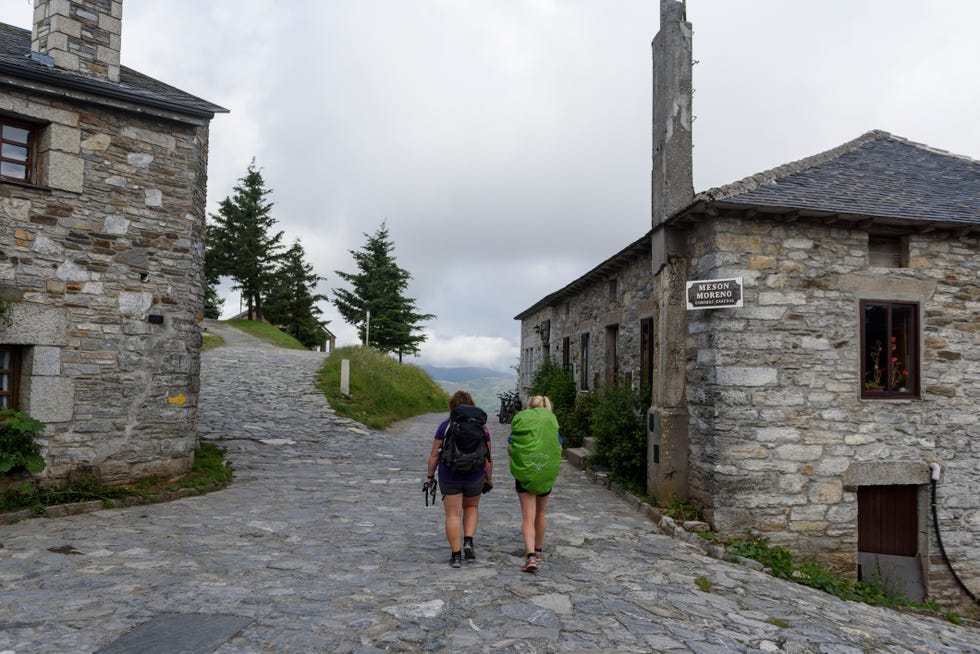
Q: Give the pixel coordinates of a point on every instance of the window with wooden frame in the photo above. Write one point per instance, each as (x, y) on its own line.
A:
(17, 151)
(9, 375)
(889, 349)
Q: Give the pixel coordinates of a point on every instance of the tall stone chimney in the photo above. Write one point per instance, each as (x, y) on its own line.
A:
(668, 440)
(673, 177)
(82, 36)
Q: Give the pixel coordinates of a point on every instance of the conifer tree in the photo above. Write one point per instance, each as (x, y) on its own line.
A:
(291, 302)
(212, 301)
(379, 288)
(241, 244)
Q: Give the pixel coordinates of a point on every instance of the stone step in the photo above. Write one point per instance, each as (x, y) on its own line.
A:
(578, 456)
(588, 443)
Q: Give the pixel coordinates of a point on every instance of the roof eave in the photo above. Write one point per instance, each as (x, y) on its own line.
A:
(55, 79)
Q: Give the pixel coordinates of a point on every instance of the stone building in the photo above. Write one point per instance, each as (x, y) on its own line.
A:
(820, 384)
(102, 204)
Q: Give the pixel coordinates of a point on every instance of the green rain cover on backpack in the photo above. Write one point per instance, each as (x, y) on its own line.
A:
(535, 451)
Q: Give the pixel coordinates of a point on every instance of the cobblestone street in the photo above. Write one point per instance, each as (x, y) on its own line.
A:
(323, 543)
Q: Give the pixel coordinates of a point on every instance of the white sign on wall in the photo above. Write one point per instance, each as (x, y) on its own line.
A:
(714, 293)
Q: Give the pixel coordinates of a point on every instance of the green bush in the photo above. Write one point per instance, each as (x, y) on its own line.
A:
(552, 380)
(575, 423)
(18, 449)
(618, 424)
(558, 384)
(777, 559)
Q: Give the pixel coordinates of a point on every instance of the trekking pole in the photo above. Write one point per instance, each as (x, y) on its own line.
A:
(429, 490)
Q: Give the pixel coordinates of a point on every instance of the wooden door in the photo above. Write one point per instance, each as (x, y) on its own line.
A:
(888, 520)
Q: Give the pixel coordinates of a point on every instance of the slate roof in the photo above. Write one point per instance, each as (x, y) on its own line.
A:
(875, 175)
(15, 61)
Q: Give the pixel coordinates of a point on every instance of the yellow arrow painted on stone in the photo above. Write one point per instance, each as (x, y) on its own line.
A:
(180, 399)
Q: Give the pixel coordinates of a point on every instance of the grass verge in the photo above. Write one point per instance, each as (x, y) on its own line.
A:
(781, 562)
(210, 341)
(266, 332)
(210, 472)
(382, 390)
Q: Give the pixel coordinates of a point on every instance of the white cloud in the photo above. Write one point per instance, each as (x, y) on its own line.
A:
(491, 352)
(507, 143)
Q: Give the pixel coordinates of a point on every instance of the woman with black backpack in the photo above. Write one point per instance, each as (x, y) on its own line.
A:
(461, 452)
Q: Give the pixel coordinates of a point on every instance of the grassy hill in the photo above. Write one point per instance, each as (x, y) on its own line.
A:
(483, 384)
(381, 389)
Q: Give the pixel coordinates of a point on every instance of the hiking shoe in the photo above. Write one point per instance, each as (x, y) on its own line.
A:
(468, 552)
(530, 564)
(540, 557)
(456, 561)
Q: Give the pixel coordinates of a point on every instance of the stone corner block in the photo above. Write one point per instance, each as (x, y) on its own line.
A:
(33, 324)
(66, 172)
(51, 399)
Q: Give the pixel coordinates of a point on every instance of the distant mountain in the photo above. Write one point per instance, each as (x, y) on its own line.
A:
(483, 384)
(462, 374)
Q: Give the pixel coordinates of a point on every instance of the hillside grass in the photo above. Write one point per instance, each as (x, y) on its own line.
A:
(382, 390)
(210, 341)
(266, 332)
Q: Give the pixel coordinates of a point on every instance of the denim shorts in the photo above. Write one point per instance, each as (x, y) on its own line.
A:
(470, 489)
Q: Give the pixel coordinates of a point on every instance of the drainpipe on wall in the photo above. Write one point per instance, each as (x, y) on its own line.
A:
(936, 474)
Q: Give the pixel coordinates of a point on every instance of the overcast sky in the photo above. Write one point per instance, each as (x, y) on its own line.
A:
(507, 143)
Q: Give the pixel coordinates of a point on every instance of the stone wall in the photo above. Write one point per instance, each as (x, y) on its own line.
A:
(780, 437)
(103, 264)
(591, 311)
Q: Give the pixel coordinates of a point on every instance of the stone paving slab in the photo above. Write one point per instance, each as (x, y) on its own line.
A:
(323, 544)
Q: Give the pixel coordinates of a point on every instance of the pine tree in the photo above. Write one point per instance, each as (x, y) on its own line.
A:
(240, 243)
(378, 288)
(291, 302)
(212, 301)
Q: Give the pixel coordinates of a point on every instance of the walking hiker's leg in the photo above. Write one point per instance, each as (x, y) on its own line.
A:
(471, 515)
(454, 520)
(528, 519)
(540, 521)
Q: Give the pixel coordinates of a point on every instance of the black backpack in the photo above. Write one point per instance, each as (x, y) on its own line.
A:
(464, 447)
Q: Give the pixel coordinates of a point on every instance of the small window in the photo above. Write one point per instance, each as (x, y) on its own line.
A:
(9, 376)
(889, 349)
(613, 289)
(16, 151)
(886, 251)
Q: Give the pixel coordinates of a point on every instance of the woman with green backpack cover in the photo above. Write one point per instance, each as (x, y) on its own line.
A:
(534, 447)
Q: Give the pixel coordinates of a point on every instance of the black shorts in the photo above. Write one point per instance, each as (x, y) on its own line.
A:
(520, 489)
(470, 489)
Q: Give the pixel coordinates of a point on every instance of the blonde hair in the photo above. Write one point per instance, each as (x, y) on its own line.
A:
(538, 402)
